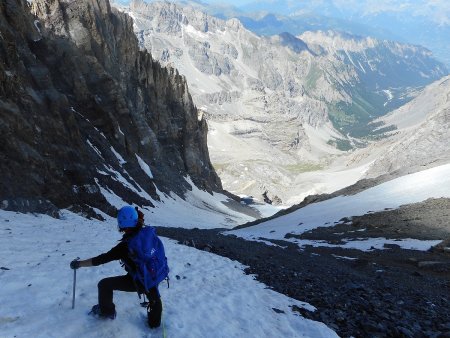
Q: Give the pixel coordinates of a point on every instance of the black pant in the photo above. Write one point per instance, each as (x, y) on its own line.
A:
(121, 283)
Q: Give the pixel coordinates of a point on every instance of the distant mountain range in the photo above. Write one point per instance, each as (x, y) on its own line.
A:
(282, 103)
(420, 22)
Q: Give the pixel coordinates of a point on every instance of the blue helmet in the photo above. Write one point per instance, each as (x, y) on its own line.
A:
(127, 217)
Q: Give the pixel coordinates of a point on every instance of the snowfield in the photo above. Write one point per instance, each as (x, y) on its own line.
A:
(199, 209)
(209, 296)
(411, 188)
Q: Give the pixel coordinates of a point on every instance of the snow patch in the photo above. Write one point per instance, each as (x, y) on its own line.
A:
(119, 157)
(144, 166)
(370, 244)
(36, 22)
(95, 149)
(110, 196)
(198, 209)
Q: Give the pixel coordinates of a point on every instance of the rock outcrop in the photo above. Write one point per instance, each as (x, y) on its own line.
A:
(85, 114)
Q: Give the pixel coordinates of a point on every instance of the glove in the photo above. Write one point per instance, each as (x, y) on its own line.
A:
(75, 264)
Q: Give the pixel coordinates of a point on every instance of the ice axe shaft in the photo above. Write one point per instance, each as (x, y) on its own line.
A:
(74, 285)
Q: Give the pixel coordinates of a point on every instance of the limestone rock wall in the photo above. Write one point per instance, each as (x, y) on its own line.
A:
(81, 107)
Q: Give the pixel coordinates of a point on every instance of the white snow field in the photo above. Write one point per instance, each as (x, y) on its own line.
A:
(209, 296)
(411, 188)
(199, 209)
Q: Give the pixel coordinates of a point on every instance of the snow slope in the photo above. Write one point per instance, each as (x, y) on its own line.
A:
(432, 99)
(411, 188)
(421, 139)
(198, 209)
(209, 210)
(209, 296)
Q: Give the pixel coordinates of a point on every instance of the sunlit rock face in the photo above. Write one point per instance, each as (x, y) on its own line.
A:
(281, 106)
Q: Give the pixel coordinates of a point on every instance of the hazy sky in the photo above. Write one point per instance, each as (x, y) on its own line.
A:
(229, 2)
(436, 10)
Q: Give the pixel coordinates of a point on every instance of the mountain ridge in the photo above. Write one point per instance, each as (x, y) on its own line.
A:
(277, 96)
(419, 23)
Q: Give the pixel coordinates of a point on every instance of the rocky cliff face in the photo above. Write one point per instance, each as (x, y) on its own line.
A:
(84, 114)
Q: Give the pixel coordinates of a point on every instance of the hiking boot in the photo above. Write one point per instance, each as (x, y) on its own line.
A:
(154, 311)
(96, 312)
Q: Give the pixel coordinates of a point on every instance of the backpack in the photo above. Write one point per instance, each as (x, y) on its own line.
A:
(146, 250)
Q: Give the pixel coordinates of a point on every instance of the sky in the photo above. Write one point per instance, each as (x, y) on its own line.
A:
(435, 10)
(236, 3)
(439, 10)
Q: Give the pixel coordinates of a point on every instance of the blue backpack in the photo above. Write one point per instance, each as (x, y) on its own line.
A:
(147, 252)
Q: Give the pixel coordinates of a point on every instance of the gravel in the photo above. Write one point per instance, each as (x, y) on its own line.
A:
(382, 293)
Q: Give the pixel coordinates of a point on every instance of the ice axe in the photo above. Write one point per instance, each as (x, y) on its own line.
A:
(74, 284)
